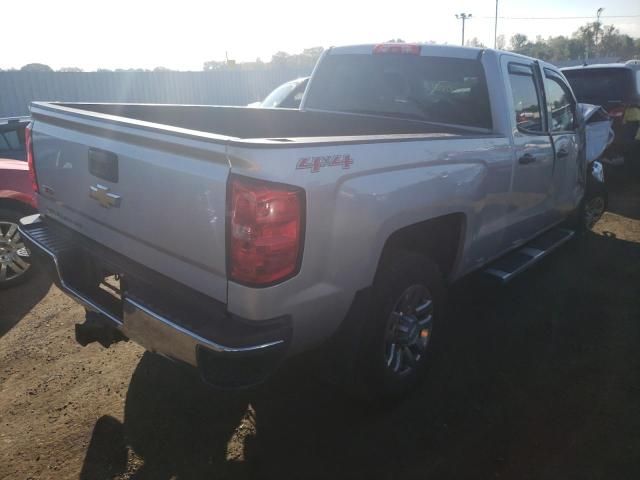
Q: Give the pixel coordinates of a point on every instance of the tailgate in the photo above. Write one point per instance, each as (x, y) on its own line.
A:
(152, 195)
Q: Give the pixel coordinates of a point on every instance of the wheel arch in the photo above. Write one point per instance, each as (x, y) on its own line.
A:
(441, 239)
(13, 204)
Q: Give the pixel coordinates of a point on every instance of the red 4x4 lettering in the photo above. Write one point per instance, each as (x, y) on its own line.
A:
(316, 163)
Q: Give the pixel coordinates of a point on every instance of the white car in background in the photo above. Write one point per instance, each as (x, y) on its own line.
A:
(287, 95)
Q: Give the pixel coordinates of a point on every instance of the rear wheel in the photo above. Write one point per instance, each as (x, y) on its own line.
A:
(15, 257)
(593, 210)
(396, 342)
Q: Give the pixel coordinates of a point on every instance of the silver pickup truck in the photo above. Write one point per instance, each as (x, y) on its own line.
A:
(231, 238)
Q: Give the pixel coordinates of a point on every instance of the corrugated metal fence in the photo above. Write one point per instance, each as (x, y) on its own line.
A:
(236, 87)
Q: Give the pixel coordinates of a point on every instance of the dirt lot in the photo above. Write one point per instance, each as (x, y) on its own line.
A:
(539, 379)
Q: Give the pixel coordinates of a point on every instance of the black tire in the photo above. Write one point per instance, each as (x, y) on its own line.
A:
(375, 380)
(10, 215)
(591, 208)
(576, 220)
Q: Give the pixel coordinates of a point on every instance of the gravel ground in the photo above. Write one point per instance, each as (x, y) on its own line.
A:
(539, 379)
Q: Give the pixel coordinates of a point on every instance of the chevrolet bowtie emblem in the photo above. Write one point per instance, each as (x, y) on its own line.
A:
(104, 198)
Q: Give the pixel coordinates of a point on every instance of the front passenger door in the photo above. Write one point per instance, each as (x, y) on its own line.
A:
(568, 166)
(533, 153)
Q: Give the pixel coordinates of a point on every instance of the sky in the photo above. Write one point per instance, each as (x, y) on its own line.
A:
(183, 34)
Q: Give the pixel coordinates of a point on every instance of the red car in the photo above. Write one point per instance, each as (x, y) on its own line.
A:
(16, 201)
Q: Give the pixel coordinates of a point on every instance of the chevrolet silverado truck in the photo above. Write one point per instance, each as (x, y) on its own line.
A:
(232, 238)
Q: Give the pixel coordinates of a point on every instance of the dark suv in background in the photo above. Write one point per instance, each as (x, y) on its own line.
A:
(616, 87)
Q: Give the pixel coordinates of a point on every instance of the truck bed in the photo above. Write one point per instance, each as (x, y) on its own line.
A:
(261, 123)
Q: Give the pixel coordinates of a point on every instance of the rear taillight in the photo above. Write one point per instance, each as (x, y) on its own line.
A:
(617, 112)
(264, 231)
(403, 48)
(28, 142)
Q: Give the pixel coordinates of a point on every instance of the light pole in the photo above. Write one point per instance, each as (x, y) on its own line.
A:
(495, 29)
(598, 13)
(464, 17)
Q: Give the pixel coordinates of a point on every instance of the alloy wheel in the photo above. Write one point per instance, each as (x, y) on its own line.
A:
(15, 258)
(409, 330)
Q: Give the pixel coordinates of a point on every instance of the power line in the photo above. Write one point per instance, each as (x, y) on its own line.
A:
(558, 18)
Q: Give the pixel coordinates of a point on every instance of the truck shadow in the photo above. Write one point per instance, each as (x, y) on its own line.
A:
(535, 379)
(623, 191)
(17, 301)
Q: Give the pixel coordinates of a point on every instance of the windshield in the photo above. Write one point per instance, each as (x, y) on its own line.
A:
(12, 141)
(275, 98)
(435, 89)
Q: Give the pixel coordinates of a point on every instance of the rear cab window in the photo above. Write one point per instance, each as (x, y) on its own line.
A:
(434, 89)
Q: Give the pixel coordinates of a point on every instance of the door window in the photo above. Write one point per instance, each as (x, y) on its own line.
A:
(560, 106)
(526, 101)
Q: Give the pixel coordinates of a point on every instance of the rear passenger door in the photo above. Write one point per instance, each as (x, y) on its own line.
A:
(529, 208)
(568, 167)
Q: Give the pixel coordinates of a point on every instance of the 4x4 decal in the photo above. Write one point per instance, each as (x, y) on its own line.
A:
(316, 163)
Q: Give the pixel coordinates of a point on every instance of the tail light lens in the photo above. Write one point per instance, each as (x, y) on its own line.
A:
(617, 112)
(28, 141)
(264, 231)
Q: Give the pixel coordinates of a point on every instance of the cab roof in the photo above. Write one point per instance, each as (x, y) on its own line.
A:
(600, 66)
(426, 49)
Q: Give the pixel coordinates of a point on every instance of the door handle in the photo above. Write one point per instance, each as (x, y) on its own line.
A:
(526, 159)
(562, 153)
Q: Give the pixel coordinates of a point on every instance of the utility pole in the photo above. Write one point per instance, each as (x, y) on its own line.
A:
(464, 17)
(495, 29)
(598, 13)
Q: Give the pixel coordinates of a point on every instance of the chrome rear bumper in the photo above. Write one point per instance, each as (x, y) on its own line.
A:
(159, 335)
(147, 327)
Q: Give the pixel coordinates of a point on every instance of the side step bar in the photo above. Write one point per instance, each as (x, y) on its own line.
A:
(507, 267)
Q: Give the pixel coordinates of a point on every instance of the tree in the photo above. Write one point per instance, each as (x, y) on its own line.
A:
(214, 65)
(307, 58)
(315, 52)
(587, 33)
(70, 69)
(611, 43)
(36, 67)
(132, 70)
(474, 42)
(280, 58)
(162, 69)
(518, 42)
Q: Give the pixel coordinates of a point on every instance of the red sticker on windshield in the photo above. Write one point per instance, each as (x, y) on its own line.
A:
(316, 163)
